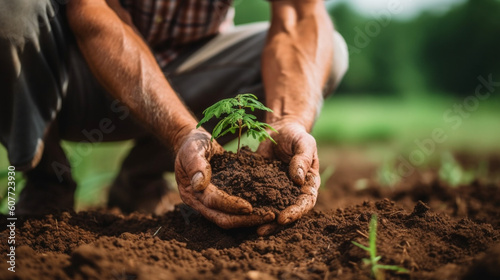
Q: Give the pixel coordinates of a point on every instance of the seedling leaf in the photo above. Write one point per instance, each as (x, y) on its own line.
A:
(361, 246)
(237, 118)
(393, 267)
(372, 250)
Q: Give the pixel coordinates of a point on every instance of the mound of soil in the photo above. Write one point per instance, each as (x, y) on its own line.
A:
(262, 182)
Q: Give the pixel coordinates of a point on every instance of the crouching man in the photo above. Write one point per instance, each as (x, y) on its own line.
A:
(145, 69)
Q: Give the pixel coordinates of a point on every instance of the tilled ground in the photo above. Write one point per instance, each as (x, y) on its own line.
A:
(435, 231)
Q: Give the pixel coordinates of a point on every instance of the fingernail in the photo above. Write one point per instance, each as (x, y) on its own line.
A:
(197, 180)
(284, 221)
(267, 230)
(245, 210)
(264, 232)
(300, 173)
(317, 181)
(270, 217)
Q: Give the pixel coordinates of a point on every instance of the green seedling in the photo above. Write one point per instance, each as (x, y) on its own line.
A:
(452, 172)
(237, 118)
(387, 175)
(372, 250)
(326, 175)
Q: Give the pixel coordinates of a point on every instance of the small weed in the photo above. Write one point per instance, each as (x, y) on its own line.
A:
(372, 250)
(452, 172)
(326, 175)
(237, 118)
(387, 174)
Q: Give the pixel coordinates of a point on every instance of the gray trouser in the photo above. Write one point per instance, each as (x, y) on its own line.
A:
(48, 92)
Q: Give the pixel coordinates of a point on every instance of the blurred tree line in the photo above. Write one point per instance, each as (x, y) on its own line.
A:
(431, 53)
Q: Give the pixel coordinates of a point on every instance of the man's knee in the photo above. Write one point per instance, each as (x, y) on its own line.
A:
(33, 74)
(340, 63)
(21, 20)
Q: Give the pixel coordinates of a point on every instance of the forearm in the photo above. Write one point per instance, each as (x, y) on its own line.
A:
(125, 66)
(296, 60)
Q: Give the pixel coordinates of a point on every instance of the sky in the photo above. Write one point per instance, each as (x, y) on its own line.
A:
(409, 8)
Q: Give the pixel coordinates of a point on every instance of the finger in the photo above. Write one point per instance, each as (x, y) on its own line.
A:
(195, 171)
(292, 213)
(227, 221)
(305, 202)
(304, 161)
(216, 199)
(193, 160)
(186, 194)
(201, 179)
(267, 229)
(199, 170)
(305, 157)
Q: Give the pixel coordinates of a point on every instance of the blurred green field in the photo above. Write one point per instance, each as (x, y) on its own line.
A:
(347, 120)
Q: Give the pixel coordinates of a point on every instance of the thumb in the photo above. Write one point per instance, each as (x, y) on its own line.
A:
(194, 171)
(305, 158)
(201, 178)
(193, 161)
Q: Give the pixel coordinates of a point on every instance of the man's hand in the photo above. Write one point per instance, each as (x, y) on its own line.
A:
(193, 173)
(296, 64)
(298, 148)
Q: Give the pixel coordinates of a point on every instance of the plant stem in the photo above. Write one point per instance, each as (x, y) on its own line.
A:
(240, 125)
(239, 137)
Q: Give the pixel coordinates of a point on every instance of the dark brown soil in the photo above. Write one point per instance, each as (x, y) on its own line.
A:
(435, 231)
(262, 182)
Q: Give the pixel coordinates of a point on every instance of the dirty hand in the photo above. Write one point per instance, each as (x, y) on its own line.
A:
(193, 174)
(298, 148)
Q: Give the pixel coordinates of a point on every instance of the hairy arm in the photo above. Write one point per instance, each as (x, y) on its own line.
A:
(296, 63)
(296, 60)
(125, 66)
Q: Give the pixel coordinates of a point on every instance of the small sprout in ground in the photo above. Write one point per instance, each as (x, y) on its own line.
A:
(387, 174)
(326, 175)
(237, 118)
(452, 172)
(372, 250)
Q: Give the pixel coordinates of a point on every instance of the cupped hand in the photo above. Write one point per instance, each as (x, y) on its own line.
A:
(298, 148)
(193, 173)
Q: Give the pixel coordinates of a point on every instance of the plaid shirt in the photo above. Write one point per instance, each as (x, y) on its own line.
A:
(168, 25)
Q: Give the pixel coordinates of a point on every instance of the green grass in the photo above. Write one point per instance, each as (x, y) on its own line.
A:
(93, 172)
(373, 260)
(398, 121)
(384, 174)
(251, 11)
(452, 172)
(326, 175)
